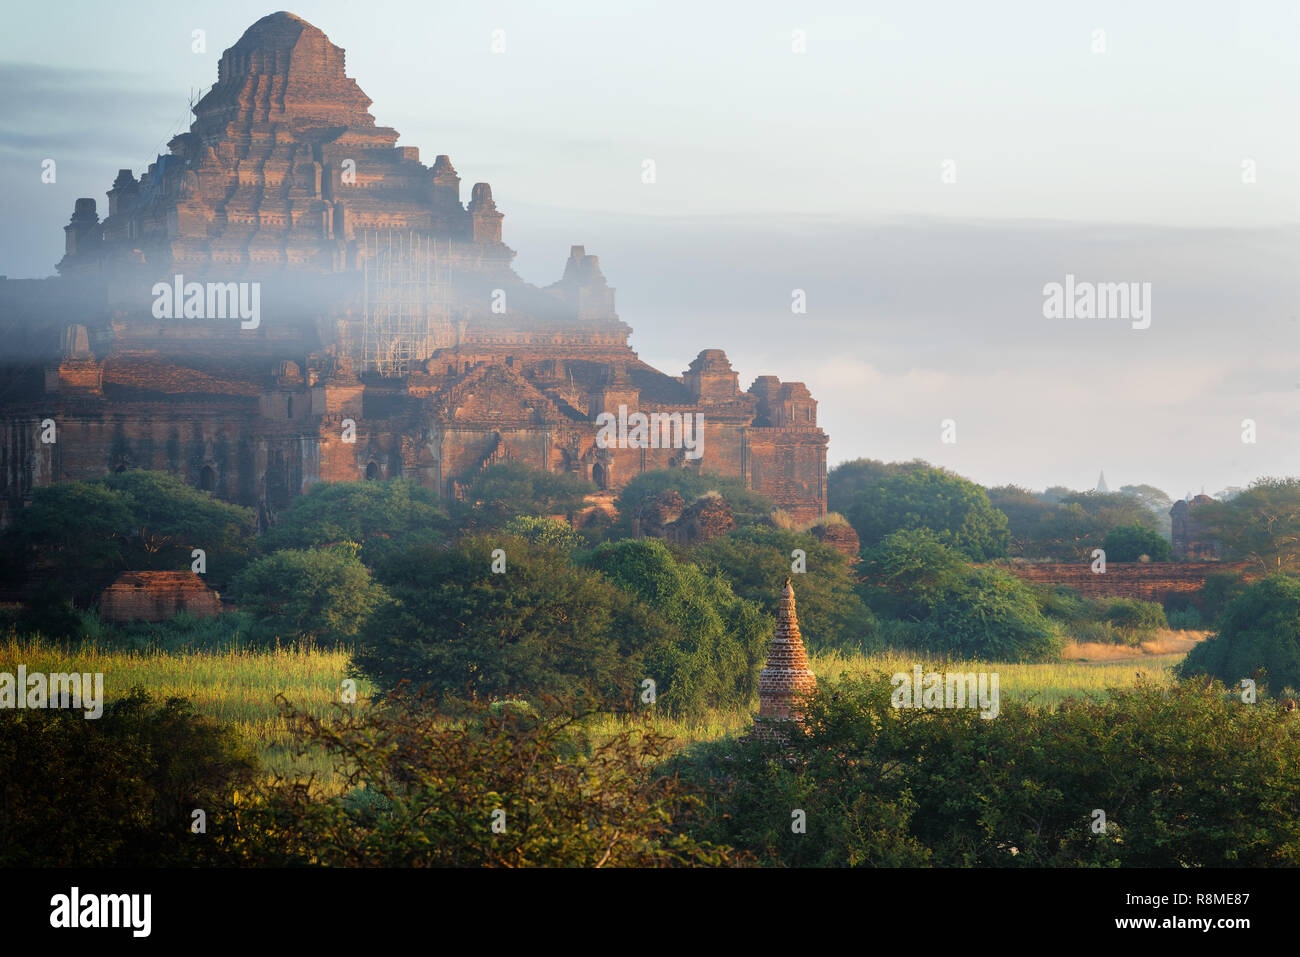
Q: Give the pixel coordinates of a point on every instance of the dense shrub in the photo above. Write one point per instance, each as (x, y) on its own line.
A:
(757, 560)
(500, 787)
(955, 510)
(323, 595)
(1187, 777)
(953, 607)
(1258, 637)
(85, 533)
(1131, 543)
(541, 627)
(116, 791)
(748, 507)
(1185, 619)
(382, 517)
(544, 531)
(716, 642)
(1135, 619)
(507, 489)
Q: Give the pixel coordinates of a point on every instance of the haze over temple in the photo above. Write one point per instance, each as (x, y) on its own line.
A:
(392, 336)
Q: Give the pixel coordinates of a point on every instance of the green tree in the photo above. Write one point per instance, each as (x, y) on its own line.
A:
(382, 517)
(1156, 501)
(748, 506)
(956, 510)
(715, 644)
(953, 607)
(87, 532)
(544, 531)
(323, 595)
(846, 480)
(1128, 543)
(757, 559)
(1062, 525)
(1258, 637)
(169, 519)
(1260, 526)
(118, 791)
(540, 627)
(508, 489)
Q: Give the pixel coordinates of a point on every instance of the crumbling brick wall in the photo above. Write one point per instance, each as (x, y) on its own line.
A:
(1149, 581)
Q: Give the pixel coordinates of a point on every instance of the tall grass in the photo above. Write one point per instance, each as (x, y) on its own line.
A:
(239, 686)
(235, 686)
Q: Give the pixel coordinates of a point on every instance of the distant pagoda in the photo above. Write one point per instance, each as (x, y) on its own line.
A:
(786, 680)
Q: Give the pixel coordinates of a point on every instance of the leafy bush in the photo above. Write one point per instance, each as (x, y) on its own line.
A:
(716, 642)
(1129, 543)
(116, 791)
(1185, 619)
(756, 560)
(956, 511)
(955, 608)
(1220, 589)
(544, 531)
(295, 595)
(496, 788)
(1135, 619)
(507, 489)
(87, 532)
(49, 612)
(886, 786)
(382, 517)
(1258, 637)
(542, 627)
(748, 507)
(1125, 621)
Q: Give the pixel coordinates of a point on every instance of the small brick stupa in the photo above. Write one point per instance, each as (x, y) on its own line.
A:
(786, 679)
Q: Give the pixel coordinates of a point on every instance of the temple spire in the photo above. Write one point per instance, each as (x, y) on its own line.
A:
(787, 678)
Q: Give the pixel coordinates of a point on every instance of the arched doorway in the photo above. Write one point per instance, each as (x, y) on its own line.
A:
(372, 472)
(208, 478)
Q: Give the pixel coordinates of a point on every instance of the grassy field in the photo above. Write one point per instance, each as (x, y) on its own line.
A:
(236, 687)
(240, 687)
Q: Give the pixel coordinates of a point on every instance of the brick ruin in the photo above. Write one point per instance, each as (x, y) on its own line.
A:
(1149, 581)
(786, 679)
(1189, 538)
(157, 596)
(393, 337)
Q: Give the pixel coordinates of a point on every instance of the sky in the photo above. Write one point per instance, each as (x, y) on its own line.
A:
(921, 172)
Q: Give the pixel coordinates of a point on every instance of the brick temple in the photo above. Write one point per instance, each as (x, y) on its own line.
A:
(391, 335)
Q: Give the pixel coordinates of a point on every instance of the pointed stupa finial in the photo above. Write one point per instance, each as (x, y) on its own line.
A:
(787, 678)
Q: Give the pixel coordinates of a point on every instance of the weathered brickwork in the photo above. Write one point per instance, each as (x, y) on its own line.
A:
(285, 180)
(157, 596)
(786, 679)
(1149, 581)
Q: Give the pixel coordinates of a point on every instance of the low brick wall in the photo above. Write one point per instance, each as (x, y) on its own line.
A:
(1149, 581)
(157, 596)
